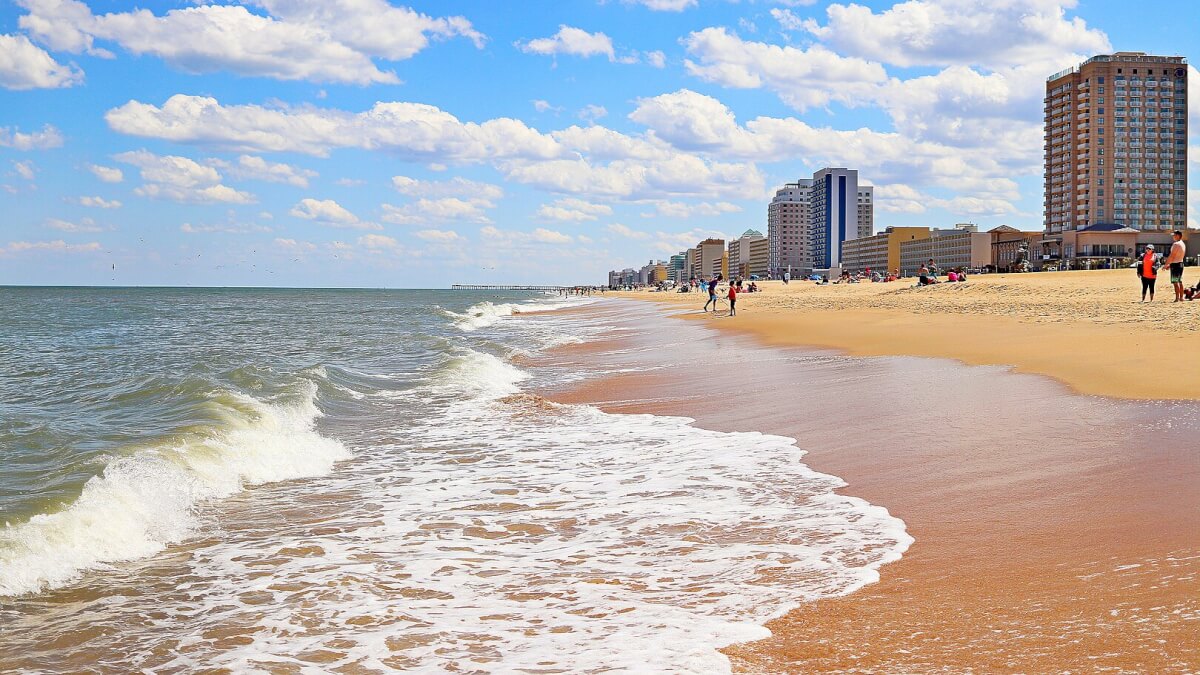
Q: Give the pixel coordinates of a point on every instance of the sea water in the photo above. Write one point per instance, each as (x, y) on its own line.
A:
(314, 480)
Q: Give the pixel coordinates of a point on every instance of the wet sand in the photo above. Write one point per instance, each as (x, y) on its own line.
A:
(1054, 532)
(1086, 329)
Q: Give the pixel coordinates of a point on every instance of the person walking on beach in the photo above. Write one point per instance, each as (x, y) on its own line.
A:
(712, 292)
(1175, 262)
(733, 291)
(1146, 270)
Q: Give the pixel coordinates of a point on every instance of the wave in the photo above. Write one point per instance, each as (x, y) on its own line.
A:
(484, 314)
(151, 497)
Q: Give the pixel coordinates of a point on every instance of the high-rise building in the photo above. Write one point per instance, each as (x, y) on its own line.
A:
(834, 214)
(710, 257)
(748, 255)
(788, 233)
(866, 210)
(1116, 150)
(808, 220)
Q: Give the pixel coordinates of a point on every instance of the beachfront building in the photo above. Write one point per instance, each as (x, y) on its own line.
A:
(653, 273)
(1006, 248)
(809, 220)
(866, 210)
(963, 246)
(677, 267)
(748, 255)
(879, 251)
(709, 259)
(1116, 139)
(834, 215)
(788, 230)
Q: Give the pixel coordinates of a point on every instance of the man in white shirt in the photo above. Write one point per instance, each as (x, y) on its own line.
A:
(1175, 262)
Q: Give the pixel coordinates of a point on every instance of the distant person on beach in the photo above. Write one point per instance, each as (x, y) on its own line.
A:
(787, 276)
(1175, 262)
(1147, 270)
(733, 291)
(925, 277)
(933, 268)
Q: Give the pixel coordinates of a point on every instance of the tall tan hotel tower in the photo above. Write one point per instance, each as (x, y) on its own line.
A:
(1116, 149)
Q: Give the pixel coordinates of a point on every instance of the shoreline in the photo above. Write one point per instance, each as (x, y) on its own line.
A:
(1051, 540)
(1084, 329)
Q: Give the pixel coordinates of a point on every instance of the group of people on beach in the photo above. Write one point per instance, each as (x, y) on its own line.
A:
(1149, 263)
(736, 286)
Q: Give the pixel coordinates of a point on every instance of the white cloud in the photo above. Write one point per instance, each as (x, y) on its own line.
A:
(98, 202)
(294, 246)
(961, 32)
(624, 231)
(328, 212)
(84, 225)
(378, 242)
(180, 179)
(592, 112)
(24, 65)
(692, 121)
(454, 187)
(48, 137)
(445, 209)
(666, 5)
(412, 131)
(787, 20)
(549, 236)
(225, 229)
(803, 78)
(542, 106)
(573, 209)
(656, 59)
(316, 40)
(24, 169)
(537, 236)
(438, 236)
(107, 174)
(249, 167)
(567, 161)
(349, 182)
(573, 41)
(671, 209)
(56, 246)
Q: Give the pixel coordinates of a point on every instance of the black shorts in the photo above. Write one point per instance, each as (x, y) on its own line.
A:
(1177, 273)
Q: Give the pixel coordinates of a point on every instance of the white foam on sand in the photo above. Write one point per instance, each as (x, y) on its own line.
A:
(507, 534)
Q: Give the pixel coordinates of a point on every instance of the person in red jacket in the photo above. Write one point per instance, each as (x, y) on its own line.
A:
(733, 299)
(1147, 272)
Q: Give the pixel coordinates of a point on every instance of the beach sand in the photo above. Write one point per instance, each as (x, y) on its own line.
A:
(1087, 329)
(1054, 531)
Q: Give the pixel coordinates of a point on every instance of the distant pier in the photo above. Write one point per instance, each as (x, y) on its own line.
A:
(494, 287)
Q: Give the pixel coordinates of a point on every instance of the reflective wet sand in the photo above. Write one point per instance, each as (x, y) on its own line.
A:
(1054, 532)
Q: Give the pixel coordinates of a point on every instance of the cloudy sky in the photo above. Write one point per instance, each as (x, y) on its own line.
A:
(368, 143)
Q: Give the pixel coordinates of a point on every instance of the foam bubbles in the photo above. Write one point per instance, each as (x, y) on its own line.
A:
(148, 499)
(484, 314)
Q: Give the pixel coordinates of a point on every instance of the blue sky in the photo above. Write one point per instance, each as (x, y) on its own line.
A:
(367, 143)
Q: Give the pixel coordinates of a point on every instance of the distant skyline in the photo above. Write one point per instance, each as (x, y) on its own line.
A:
(420, 144)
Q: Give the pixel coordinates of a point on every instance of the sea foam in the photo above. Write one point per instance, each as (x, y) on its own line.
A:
(507, 533)
(149, 498)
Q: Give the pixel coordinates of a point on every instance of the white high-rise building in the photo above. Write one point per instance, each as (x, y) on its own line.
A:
(808, 220)
(788, 230)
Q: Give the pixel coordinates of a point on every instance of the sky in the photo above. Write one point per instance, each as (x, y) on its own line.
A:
(367, 143)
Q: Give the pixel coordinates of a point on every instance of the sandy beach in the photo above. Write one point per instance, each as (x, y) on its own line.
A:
(1054, 531)
(1086, 329)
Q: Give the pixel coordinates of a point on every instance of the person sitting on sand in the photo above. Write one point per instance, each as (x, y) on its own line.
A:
(962, 274)
(925, 277)
(952, 276)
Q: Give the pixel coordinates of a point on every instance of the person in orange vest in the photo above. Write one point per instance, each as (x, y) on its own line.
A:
(1147, 272)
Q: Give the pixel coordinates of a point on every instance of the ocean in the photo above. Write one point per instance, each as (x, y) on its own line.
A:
(358, 480)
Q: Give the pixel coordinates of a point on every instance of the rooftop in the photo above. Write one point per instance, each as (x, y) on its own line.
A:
(1123, 57)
